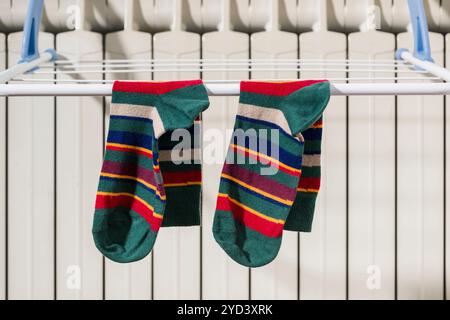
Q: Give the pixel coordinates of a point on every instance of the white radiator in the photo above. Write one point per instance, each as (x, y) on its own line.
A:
(380, 227)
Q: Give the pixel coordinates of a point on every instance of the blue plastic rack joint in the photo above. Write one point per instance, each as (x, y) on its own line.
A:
(420, 31)
(31, 26)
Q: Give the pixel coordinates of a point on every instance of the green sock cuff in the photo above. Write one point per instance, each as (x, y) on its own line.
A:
(182, 181)
(179, 108)
(304, 106)
(301, 216)
(177, 103)
(183, 206)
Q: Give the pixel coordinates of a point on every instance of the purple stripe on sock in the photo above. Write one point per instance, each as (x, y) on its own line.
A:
(260, 182)
(127, 169)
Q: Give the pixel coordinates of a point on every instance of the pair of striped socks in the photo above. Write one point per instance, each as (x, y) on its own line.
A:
(142, 187)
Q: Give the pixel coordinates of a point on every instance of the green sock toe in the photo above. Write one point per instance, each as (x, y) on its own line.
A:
(244, 245)
(122, 236)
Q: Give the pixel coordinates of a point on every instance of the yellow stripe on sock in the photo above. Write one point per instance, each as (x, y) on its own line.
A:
(118, 194)
(265, 157)
(256, 213)
(307, 190)
(259, 191)
(181, 184)
(145, 183)
(126, 146)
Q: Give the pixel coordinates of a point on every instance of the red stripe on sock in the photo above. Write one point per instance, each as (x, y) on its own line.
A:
(318, 122)
(276, 88)
(110, 202)
(309, 183)
(137, 151)
(153, 87)
(250, 220)
(182, 177)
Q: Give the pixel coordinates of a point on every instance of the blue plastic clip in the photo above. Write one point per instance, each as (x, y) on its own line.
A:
(420, 30)
(30, 49)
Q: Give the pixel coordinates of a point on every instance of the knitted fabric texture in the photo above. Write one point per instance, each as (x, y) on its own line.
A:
(182, 176)
(261, 174)
(131, 199)
(302, 212)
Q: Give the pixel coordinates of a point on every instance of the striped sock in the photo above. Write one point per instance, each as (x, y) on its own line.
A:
(182, 181)
(302, 212)
(131, 198)
(260, 177)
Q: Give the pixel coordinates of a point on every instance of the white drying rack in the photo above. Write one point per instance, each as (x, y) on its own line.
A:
(409, 66)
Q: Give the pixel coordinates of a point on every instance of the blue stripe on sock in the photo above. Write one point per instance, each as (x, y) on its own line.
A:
(130, 138)
(283, 155)
(312, 134)
(130, 118)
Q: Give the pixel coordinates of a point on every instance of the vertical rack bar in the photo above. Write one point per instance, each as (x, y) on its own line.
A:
(30, 58)
(3, 152)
